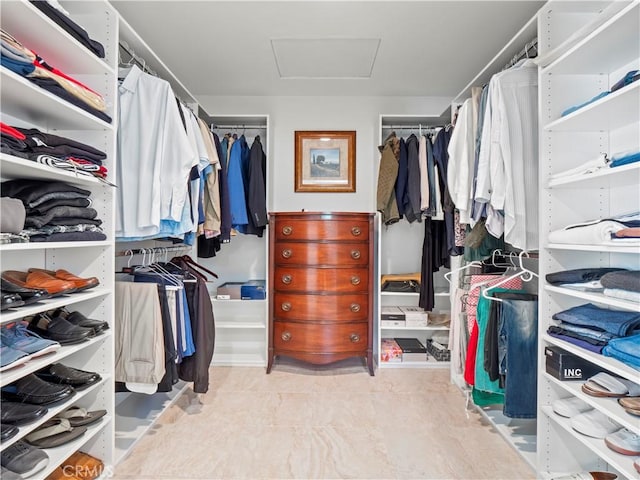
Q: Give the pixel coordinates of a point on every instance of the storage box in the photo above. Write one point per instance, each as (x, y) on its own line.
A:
(566, 366)
(438, 351)
(229, 291)
(253, 290)
(415, 316)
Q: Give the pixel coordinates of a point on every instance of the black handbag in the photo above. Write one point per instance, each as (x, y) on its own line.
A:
(401, 286)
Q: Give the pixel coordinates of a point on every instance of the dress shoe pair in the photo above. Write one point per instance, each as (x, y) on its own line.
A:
(79, 283)
(10, 300)
(7, 432)
(60, 374)
(18, 414)
(27, 295)
(34, 390)
(77, 318)
(59, 329)
(56, 283)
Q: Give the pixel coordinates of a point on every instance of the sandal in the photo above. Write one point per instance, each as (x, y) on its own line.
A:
(78, 416)
(605, 385)
(54, 433)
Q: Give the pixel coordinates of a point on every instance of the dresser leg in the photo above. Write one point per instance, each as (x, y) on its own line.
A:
(270, 362)
(370, 363)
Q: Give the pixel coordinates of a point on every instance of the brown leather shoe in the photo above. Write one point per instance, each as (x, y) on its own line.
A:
(39, 280)
(80, 283)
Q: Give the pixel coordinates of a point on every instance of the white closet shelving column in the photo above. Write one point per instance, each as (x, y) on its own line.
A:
(586, 48)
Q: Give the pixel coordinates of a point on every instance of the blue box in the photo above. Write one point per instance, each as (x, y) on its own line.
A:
(253, 290)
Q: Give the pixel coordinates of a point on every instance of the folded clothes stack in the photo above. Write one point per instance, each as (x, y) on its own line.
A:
(55, 211)
(21, 60)
(601, 162)
(584, 279)
(620, 230)
(52, 150)
(622, 284)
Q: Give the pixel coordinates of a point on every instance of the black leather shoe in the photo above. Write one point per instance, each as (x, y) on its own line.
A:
(7, 431)
(31, 389)
(28, 295)
(80, 320)
(14, 413)
(60, 374)
(10, 300)
(59, 329)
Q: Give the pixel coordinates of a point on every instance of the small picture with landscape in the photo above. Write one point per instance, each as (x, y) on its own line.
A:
(325, 162)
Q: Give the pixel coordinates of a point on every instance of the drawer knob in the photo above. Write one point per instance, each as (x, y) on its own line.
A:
(286, 279)
(355, 338)
(355, 307)
(286, 336)
(287, 230)
(355, 231)
(355, 280)
(355, 254)
(286, 253)
(286, 306)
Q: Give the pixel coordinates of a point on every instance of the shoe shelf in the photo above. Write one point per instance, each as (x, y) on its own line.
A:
(54, 410)
(16, 167)
(13, 314)
(595, 297)
(438, 292)
(41, 34)
(248, 352)
(429, 364)
(623, 176)
(33, 365)
(609, 406)
(27, 101)
(7, 247)
(622, 463)
(442, 328)
(608, 363)
(60, 454)
(599, 51)
(233, 325)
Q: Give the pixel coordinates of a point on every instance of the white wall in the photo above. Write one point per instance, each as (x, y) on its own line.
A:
(288, 114)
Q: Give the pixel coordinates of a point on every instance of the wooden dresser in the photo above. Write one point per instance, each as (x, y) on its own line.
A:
(321, 286)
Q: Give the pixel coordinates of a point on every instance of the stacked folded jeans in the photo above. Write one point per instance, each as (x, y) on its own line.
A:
(53, 150)
(55, 211)
(593, 328)
(21, 60)
(622, 284)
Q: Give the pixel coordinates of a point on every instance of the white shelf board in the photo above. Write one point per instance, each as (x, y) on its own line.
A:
(11, 375)
(608, 113)
(608, 363)
(431, 363)
(623, 176)
(421, 329)
(632, 249)
(438, 292)
(20, 168)
(237, 300)
(25, 100)
(8, 247)
(136, 413)
(237, 359)
(601, 50)
(595, 297)
(622, 463)
(53, 410)
(52, 303)
(39, 33)
(60, 454)
(240, 325)
(608, 406)
(519, 433)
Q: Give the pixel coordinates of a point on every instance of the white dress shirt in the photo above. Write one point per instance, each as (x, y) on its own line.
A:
(461, 162)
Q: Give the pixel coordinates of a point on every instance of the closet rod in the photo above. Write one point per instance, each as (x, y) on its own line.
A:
(261, 127)
(524, 53)
(141, 251)
(413, 127)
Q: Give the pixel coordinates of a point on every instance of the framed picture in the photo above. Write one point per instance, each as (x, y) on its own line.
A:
(325, 161)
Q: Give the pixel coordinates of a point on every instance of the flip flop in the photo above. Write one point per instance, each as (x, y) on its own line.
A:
(630, 402)
(605, 385)
(54, 433)
(78, 416)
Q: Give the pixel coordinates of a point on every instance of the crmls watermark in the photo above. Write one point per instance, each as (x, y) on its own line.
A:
(85, 471)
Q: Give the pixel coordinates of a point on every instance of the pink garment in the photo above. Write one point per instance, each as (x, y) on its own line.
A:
(474, 292)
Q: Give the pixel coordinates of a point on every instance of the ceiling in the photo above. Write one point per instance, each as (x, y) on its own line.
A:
(351, 47)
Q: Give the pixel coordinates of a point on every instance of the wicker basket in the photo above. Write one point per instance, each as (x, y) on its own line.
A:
(439, 354)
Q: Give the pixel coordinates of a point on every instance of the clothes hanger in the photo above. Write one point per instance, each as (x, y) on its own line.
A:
(192, 262)
(475, 263)
(526, 274)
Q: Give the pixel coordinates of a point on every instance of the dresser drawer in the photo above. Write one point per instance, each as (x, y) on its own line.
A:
(319, 338)
(324, 308)
(290, 253)
(329, 230)
(309, 279)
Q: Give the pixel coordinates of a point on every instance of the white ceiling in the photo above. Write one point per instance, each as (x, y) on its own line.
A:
(426, 48)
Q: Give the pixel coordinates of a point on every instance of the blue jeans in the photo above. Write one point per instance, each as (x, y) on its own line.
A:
(520, 323)
(625, 349)
(617, 322)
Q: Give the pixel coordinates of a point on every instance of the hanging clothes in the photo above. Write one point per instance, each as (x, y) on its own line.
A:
(386, 202)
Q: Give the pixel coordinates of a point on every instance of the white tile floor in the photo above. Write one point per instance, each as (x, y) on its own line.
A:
(323, 423)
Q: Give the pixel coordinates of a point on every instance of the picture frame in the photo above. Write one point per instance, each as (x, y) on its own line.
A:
(325, 161)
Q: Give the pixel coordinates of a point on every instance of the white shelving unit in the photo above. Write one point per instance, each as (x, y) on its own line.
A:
(580, 69)
(23, 104)
(241, 325)
(399, 249)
